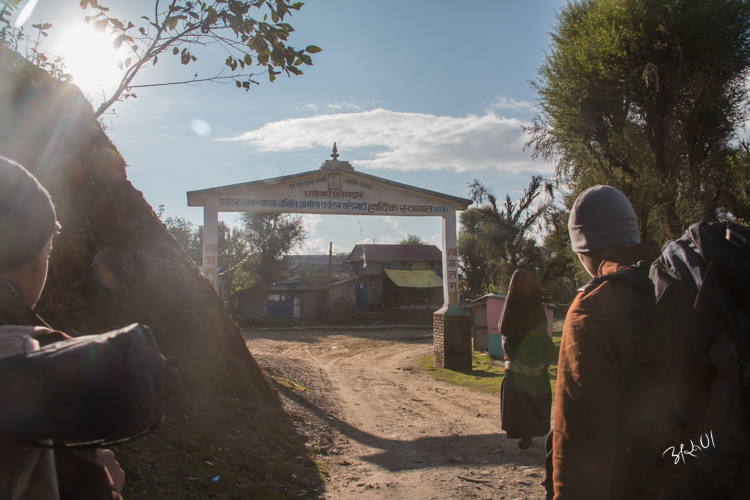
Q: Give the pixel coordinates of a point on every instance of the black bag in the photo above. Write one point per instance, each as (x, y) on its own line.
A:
(88, 391)
(685, 433)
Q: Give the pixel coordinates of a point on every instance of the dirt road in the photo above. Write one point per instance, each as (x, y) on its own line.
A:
(383, 428)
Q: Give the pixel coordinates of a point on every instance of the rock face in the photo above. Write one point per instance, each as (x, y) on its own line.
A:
(114, 262)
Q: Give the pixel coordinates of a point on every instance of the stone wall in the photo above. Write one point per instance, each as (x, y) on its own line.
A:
(451, 329)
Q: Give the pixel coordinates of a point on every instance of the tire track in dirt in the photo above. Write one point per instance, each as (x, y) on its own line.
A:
(395, 431)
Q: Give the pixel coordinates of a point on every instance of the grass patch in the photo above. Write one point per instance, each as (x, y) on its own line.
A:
(484, 375)
(289, 383)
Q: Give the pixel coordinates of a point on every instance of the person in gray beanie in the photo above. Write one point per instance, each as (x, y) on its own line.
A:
(28, 225)
(595, 352)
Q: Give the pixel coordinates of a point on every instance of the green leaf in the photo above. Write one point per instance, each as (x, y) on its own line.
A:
(156, 59)
(46, 26)
(248, 59)
(116, 23)
(142, 30)
(86, 3)
(296, 6)
(171, 22)
(239, 85)
(127, 62)
(312, 49)
(175, 51)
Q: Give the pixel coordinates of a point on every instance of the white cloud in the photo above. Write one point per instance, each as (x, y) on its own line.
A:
(342, 105)
(311, 222)
(512, 104)
(318, 246)
(393, 222)
(411, 141)
(312, 106)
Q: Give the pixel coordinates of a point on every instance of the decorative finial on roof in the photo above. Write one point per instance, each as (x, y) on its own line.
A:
(334, 164)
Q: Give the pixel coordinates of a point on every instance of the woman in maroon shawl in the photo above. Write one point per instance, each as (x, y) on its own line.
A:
(526, 396)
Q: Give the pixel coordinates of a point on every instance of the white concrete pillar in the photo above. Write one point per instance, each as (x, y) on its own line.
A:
(450, 258)
(210, 244)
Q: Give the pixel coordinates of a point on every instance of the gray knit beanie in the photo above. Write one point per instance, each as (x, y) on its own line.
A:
(27, 216)
(602, 217)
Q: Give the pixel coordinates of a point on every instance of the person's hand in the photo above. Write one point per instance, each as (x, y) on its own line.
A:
(107, 459)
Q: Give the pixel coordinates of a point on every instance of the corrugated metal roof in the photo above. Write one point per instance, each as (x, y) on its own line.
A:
(415, 279)
(396, 253)
(310, 259)
(289, 287)
(365, 277)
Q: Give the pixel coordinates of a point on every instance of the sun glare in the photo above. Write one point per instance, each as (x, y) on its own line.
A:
(25, 13)
(91, 60)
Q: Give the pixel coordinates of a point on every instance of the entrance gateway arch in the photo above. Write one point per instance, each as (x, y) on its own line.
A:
(336, 188)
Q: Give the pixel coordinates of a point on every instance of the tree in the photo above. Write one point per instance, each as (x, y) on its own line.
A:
(179, 27)
(270, 236)
(413, 239)
(496, 239)
(646, 95)
(234, 251)
(187, 235)
(561, 273)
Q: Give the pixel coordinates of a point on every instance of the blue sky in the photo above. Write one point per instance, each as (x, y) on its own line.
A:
(426, 92)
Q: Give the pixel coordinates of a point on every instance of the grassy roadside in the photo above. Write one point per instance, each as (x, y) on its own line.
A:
(485, 376)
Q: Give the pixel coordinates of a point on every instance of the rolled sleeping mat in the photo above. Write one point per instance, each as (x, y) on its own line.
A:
(523, 313)
(85, 391)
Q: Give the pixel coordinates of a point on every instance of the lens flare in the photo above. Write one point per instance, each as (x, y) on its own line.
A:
(25, 13)
(113, 267)
(200, 127)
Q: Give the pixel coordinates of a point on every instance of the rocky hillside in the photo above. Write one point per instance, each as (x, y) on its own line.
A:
(114, 264)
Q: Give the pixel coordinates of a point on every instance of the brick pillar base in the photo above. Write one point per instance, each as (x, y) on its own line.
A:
(451, 333)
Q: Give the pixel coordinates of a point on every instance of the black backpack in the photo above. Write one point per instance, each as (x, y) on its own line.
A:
(685, 433)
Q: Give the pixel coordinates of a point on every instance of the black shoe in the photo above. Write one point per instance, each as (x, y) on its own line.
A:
(524, 443)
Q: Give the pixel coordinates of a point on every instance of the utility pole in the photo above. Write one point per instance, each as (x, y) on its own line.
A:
(328, 292)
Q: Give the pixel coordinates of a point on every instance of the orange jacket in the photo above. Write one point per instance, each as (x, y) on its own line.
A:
(593, 375)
